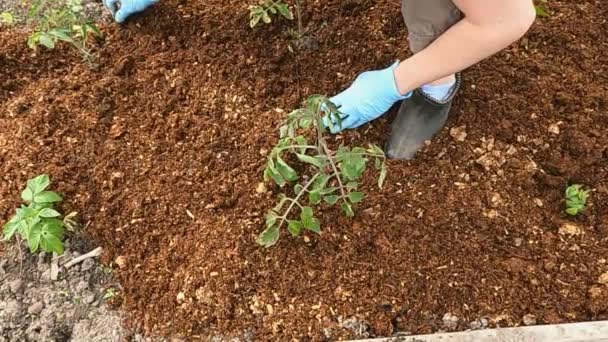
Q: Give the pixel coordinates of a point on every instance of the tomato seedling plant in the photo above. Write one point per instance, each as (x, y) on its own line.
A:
(328, 176)
(37, 222)
(576, 199)
(265, 9)
(63, 21)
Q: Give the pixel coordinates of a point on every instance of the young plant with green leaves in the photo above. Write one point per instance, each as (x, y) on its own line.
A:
(7, 18)
(576, 199)
(327, 176)
(37, 222)
(61, 21)
(266, 8)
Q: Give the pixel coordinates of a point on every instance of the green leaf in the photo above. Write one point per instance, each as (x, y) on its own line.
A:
(33, 238)
(269, 237)
(255, 19)
(47, 197)
(541, 11)
(314, 197)
(50, 243)
(572, 211)
(286, 171)
(271, 219)
(294, 227)
(382, 176)
(38, 184)
(353, 166)
(284, 10)
(27, 195)
(7, 18)
(352, 185)
(348, 210)
(321, 182)
(308, 221)
(61, 35)
(329, 190)
(46, 40)
(10, 228)
(311, 160)
(53, 226)
(48, 212)
(356, 197)
(266, 18)
(272, 172)
(331, 200)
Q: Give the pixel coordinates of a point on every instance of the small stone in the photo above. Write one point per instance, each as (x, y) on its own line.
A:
(479, 324)
(12, 309)
(16, 286)
(570, 229)
(35, 308)
(538, 202)
(459, 133)
(554, 129)
(450, 321)
(603, 279)
(81, 286)
(54, 274)
(89, 298)
(87, 264)
(121, 261)
(518, 242)
(261, 188)
(529, 319)
(181, 297)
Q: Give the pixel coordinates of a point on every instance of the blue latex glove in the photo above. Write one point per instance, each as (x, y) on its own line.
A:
(127, 7)
(370, 96)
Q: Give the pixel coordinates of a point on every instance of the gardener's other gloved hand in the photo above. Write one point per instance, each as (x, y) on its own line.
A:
(122, 9)
(370, 96)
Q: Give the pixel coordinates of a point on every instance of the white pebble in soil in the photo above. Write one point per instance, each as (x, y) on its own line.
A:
(35, 308)
(450, 321)
(16, 286)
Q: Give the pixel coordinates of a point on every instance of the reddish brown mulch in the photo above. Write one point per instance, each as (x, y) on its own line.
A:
(185, 102)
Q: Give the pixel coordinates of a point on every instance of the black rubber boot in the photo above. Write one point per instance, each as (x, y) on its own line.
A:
(419, 118)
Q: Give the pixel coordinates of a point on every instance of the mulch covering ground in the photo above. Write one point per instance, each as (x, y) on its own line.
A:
(185, 103)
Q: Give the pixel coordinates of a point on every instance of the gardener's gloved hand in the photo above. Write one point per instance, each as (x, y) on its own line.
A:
(127, 7)
(371, 95)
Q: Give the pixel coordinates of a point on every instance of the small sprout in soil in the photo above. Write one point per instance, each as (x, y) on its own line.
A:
(325, 176)
(540, 9)
(62, 22)
(70, 222)
(576, 199)
(38, 223)
(110, 293)
(266, 8)
(7, 18)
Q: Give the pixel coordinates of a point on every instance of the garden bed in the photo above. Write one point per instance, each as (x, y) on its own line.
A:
(161, 149)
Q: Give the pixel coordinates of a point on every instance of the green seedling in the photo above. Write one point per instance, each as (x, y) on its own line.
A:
(541, 10)
(330, 177)
(265, 9)
(61, 22)
(576, 199)
(7, 18)
(38, 223)
(110, 293)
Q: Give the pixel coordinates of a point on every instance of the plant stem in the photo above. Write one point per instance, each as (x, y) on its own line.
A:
(295, 200)
(299, 14)
(336, 173)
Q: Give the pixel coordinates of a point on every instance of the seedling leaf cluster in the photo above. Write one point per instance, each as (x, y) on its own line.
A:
(265, 9)
(37, 222)
(576, 199)
(62, 22)
(329, 177)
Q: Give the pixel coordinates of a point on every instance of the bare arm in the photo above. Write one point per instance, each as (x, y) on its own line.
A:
(488, 26)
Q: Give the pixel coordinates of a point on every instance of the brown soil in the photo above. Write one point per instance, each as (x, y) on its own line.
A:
(183, 105)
